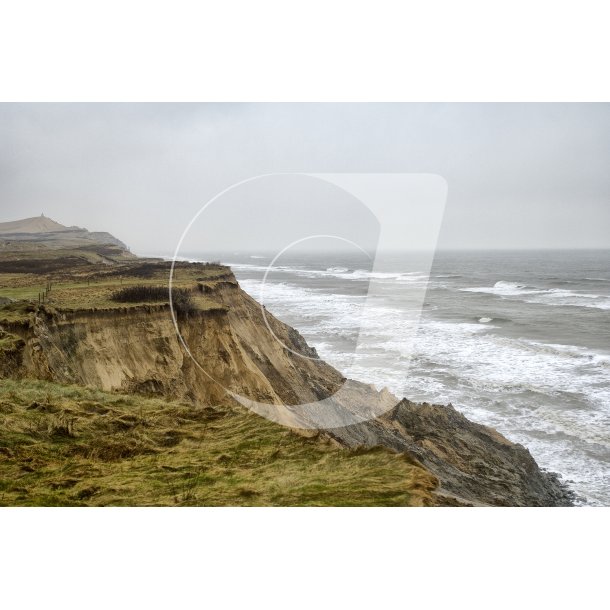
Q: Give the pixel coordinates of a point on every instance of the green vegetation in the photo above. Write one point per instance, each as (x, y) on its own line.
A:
(182, 298)
(129, 284)
(8, 342)
(74, 446)
(37, 258)
(139, 293)
(15, 312)
(67, 445)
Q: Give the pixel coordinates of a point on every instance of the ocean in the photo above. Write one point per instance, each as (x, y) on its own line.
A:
(516, 340)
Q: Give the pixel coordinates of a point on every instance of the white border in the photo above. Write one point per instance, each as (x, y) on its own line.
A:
(304, 558)
(314, 51)
(320, 50)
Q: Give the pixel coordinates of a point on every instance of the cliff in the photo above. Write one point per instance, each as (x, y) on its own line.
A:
(137, 349)
(80, 336)
(474, 464)
(41, 245)
(44, 232)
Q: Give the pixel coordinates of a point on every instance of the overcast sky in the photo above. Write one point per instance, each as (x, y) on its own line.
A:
(518, 175)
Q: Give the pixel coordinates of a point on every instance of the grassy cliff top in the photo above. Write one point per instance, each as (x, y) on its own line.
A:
(68, 445)
(71, 269)
(93, 286)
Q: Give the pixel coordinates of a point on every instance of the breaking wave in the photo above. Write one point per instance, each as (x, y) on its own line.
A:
(544, 296)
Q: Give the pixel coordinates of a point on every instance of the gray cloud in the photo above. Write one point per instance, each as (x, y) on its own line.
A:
(519, 175)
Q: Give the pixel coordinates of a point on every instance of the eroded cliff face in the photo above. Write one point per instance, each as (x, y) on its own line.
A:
(137, 350)
(475, 464)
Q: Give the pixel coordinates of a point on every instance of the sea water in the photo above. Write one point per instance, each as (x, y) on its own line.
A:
(516, 340)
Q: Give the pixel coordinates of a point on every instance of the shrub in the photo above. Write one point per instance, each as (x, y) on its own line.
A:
(181, 297)
(139, 294)
(183, 303)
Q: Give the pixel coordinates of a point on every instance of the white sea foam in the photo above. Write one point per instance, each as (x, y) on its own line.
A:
(342, 273)
(248, 267)
(540, 394)
(503, 288)
(471, 348)
(571, 298)
(544, 296)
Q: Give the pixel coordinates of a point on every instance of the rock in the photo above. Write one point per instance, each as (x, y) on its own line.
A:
(475, 464)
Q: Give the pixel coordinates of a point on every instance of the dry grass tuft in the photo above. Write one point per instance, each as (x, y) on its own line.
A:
(67, 445)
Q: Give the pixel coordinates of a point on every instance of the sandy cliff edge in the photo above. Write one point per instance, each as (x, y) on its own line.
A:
(136, 350)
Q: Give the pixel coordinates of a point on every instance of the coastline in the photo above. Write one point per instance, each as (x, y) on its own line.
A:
(134, 349)
(531, 372)
(565, 494)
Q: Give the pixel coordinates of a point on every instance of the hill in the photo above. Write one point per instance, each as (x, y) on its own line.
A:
(36, 224)
(40, 244)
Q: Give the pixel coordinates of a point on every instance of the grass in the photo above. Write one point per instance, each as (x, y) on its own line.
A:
(182, 300)
(8, 342)
(138, 292)
(16, 312)
(95, 287)
(72, 446)
(28, 257)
